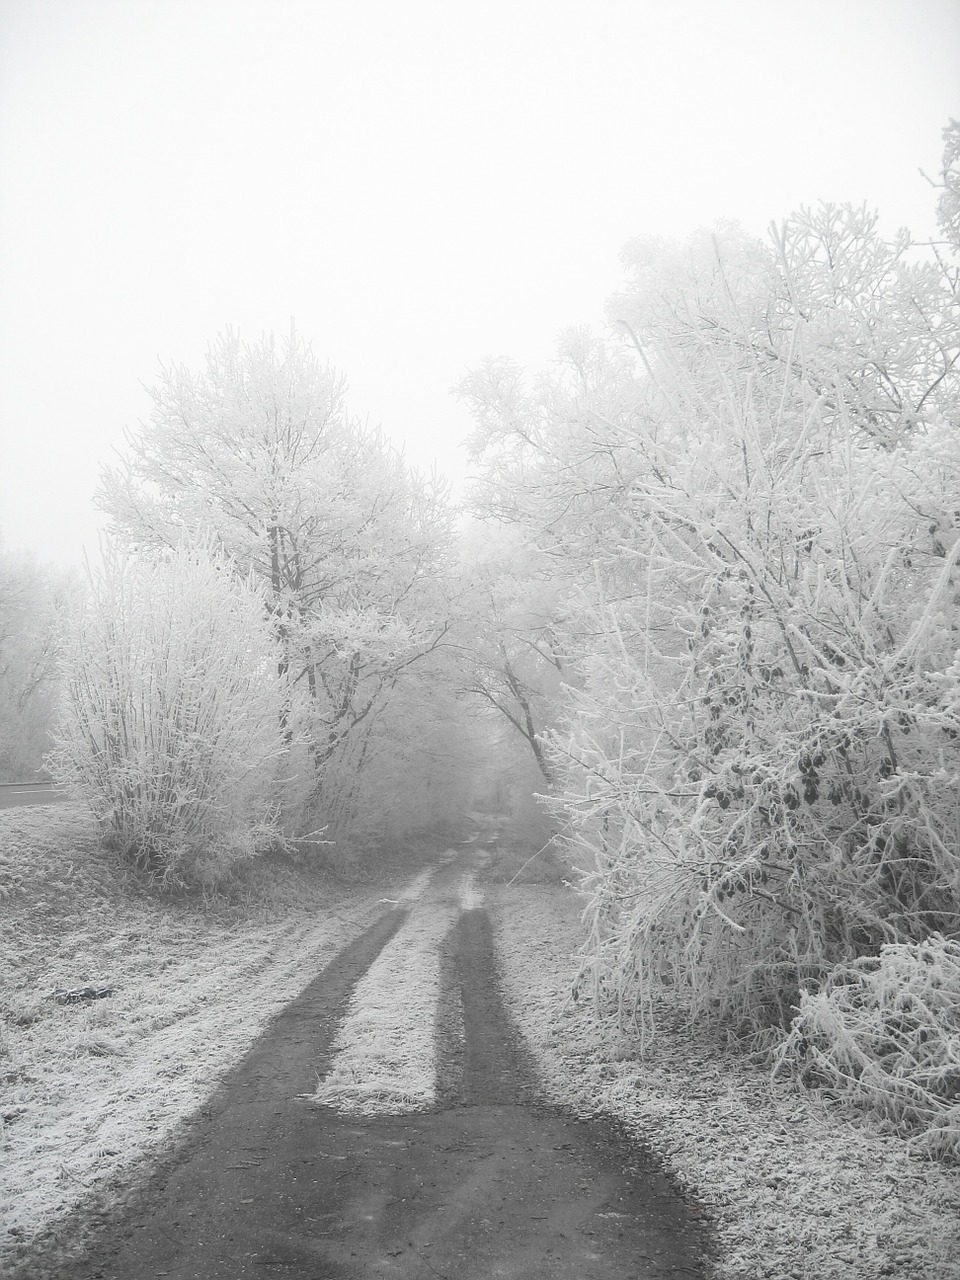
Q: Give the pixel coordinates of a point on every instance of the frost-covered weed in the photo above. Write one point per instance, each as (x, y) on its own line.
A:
(21, 1009)
(884, 1032)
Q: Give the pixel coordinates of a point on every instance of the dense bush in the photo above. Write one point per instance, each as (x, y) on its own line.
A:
(884, 1031)
(763, 760)
(170, 723)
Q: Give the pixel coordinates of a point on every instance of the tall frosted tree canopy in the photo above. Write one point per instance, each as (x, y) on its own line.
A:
(259, 448)
(351, 546)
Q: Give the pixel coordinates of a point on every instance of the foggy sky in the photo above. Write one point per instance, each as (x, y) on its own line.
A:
(419, 185)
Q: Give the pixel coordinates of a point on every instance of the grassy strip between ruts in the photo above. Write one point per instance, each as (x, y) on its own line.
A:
(798, 1189)
(384, 1051)
(89, 1089)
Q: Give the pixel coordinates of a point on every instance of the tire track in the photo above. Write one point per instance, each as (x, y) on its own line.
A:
(481, 1056)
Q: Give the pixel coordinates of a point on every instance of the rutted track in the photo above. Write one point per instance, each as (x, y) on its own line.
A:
(481, 1059)
(272, 1184)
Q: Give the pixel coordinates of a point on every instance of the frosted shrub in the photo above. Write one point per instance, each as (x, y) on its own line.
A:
(169, 726)
(752, 491)
(885, 1032)
(762, 762)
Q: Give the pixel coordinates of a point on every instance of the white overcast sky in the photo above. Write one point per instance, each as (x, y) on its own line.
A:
(418, 184)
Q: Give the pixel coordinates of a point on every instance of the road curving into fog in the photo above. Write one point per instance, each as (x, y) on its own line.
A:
(480, 1179)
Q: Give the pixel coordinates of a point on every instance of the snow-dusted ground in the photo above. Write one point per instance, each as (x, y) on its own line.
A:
(797, 1188)
(87, 1092)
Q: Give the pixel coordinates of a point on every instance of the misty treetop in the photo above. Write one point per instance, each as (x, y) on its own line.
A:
(260, 449)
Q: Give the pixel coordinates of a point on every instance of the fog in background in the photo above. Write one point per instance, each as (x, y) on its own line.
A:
(418, 185)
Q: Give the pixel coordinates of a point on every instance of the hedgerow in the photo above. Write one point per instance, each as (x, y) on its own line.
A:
(750, 490)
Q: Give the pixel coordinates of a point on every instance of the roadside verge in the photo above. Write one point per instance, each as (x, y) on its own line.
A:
(798, 1189)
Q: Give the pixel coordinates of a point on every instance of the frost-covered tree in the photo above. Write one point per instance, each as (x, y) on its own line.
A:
(349, 543)
(752, 485)
(169, 725)
(948, 203)
(827, 305)
(553, 453)
(508, 635)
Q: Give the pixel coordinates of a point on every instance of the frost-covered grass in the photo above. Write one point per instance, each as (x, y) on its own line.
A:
(385, 1058)
(386, 1052)
(86, 1090)
(798, 1187)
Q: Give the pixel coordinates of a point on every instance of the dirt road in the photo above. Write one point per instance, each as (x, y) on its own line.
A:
(487, 1183)
(14, 795)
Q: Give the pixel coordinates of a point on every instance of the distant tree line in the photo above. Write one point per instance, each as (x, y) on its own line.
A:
(34, 602)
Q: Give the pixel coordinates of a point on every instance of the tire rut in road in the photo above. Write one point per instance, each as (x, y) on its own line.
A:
(481, 1057)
